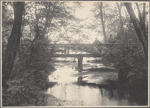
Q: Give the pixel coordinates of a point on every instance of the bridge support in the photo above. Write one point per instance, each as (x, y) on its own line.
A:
(68, 51)
(80, 65)
(65, 50)
(79, 80)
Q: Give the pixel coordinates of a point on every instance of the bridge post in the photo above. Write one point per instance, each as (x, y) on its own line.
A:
(65, 50)
(80, 65)
(68, 51)
(79, 80)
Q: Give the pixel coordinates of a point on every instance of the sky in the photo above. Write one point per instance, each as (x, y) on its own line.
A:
(84, 11)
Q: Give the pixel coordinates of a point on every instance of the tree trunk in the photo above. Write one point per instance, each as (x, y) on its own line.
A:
(120, 15)
(102, 21)
(139, 13)
(143, 23)
(13, 42)
(137, 27)
(142, 19)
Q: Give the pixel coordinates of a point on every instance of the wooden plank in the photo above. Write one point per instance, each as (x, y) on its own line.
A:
(72, 45)
(76, 55)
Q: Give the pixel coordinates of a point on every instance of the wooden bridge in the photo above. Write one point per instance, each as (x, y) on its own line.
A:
(80, 47)
(66, 53)
(89, 48)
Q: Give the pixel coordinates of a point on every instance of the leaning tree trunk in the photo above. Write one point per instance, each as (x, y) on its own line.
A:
(142, 20)
(143, 23)
(137, 27)
(13, 42)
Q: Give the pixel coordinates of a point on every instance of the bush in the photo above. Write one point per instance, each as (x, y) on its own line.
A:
(132, 65)
(25, 85)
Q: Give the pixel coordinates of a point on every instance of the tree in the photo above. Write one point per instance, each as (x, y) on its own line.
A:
(108, 15)
(138, 28)
(102, 21)
(142, 20)
(32, 62)
(119, 6)
(120, 15)
(13, 41)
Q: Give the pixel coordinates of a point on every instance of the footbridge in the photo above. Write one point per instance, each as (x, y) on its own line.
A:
(65, 49)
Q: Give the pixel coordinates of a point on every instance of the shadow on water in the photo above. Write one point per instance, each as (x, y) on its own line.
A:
(90, 94)
(72, 88)
(115, 93)
(111, 92)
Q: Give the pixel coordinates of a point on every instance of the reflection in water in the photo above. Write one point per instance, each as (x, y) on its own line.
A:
(88, 95)
(79, 80)
(113, 96)
(79, 89)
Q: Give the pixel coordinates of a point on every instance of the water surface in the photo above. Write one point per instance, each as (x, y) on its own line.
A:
(85, 89)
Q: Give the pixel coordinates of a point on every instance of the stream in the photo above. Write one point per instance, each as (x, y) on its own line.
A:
(85, 88)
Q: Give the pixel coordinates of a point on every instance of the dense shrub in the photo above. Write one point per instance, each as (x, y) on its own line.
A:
(129, 59)
(26, 84)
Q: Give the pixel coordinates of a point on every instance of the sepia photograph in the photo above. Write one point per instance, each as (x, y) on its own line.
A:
(74, 53)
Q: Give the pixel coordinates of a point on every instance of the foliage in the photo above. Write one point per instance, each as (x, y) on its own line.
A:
(26, 84)
(33, 62)
(128, 58)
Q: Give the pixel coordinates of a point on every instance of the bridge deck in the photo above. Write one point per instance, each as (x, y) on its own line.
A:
(71, 45)
(76, 55)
